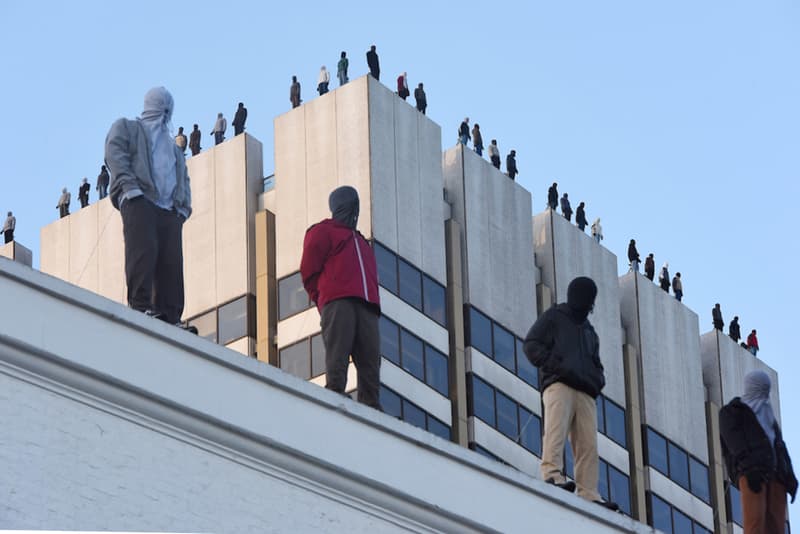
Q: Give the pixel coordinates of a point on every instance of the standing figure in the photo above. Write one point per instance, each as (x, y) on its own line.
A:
(8, 228)
(341, 69)
(733, 330)
(294, 93)
(150, 188)
(677, 287)
(220, 125)
(663, 277)
(239, 118)
(323, 80)
(580, 217)
(421, 98)
(373, 63)
(566, 209)
(63, 203)
(83, 193)
(511, 164)
(340, 275)
(756, 457)
(194, 141)
(102, 182)
(494, 154)
(597, 230)
(716, 317)
(650, 267)
(565, 347)
(402, 86)
(477, 139)
(633, 256)
(552, 196)
(180, 140)
(752, 342)
(463, 132)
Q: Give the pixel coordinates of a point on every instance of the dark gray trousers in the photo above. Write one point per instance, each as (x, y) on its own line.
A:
(350, 328)
(153, 258)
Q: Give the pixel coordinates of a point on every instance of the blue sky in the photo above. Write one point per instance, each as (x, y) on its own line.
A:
(676, 122)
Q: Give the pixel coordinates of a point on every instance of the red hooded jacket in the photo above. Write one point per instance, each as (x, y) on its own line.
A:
(338, 263)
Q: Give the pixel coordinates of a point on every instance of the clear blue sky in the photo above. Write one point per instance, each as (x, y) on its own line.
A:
(676, 122)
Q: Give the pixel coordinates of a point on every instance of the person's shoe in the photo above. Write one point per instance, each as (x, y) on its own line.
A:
(189, 328)
(154, 314)
(611, 505)
(566, 486)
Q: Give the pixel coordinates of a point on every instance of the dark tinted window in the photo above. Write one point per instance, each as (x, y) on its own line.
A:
(387, 268)
(601, 418)
(292, 297)
(620, 488)
(390, 340)
(525, 369)
(317, 356)
(699, 476)
(483, 401)
(483, 452)
(602, 484)
(410, 284)
(660, 514)
(615, 423)
(413, 414)
(700, 529)
(233, 321)
(437, 427)
(436, 370)
(434, 300)
(530, 431)
(296, 359)
(681, 522)
(735, 504)
(412, 357)
(503, 347)
(391, 402)
(507, 422)
(206, 325)
(657, 452)
(569, 461)
(678, 465)
(480, 332)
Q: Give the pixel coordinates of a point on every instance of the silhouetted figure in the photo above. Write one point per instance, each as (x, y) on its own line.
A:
(341, 69)
(180, 140)
(552, 196)
(663, 277)
(220, 126)
(294, 93)
(477, 139)
(494, 154)
(633, 256)
(677, 286)
(463, 132)
(402, 86)
(323, 80)
(239, 119)
(102, 183)
(511, 164)
(566, 209)
(83, 193)
(63, 203)
(580, 217)
(733, 329)
(752, 342)
(8, 227)
(597, 230)
(194, 141)
(650, 267)
(421, 98)
(373, 63)
(716, 317)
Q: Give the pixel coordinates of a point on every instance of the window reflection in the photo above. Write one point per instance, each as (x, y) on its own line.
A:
(292, 296)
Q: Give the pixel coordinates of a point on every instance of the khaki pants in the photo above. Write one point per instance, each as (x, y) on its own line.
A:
(763, 512)
(569, 411)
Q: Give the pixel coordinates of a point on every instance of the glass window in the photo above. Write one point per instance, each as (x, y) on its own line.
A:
(681, 522)
(296, 359)
(525, 369)
(660, 514)
(233, 323)
(735, 504)
(700, 529)
(483, 452)
(317, 356)
(413, 414)
(678, 465)
(482, 401)
(480, 332)
(436, 370)
(292, 296)
(530, 431)
(602, 483)
(601, 418)
(620, 489)
(434, 300)
(507, 422)
(391, 402)
(437, 427)
(615, 423)
(503, 352)
(657, 451)
(412, 357)
(569, 461)
(410, 284)
(698, 473)
(390, 340)
(387, 267)
(206, 325)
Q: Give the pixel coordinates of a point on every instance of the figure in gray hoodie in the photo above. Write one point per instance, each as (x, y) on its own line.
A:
(63, 203)
(220, 126)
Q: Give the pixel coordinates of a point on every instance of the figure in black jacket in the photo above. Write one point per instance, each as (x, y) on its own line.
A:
(552, 196)
(650, 267)
(373, 63)
(564, 346)
(756, 457)
(511, 164)
(580, 217)
(716, 317)
(239, 119)
(733, 330)
(633, 256)
(83, 193)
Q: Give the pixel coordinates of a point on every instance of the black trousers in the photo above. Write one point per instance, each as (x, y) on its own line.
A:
(9, 236)
(350, 328)
(496, 161)
(237, 129)
(153, 258)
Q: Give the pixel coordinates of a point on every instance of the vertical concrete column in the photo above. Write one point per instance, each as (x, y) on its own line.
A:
(266, 288)
(716, 470)
(544, 298)
(455, 322)
(633, 426)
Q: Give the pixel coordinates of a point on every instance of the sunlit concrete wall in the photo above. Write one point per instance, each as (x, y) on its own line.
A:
(15, 251)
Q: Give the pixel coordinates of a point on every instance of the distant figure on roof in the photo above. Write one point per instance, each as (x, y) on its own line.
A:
(421, 98)
(294, 93)
(239, 119)
(511, 164)
(650, 267)
(102, 182)
(181, 141)
(677, 286)
(752, 342)
(597, 230)
(340, 274)
(633, 256)
(733, 330)
(402, 86)
(716, 317)
(373, 63)
(341, 69)
(663, 277)
(8, 227)
(494, 154)
(463, 132)
(323, 80)
(220, 125)
(477, 139)
(566, 209)
(580, 217)
(63, 203)
(552, 196)
(83, 193)
(194, 141)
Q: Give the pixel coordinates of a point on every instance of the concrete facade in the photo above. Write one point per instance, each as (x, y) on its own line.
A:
(15, 251)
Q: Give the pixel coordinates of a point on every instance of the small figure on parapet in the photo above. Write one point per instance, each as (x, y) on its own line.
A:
(194, 141)
(716, 317)
(8, 228)
(63, 203)
(511, 164)
(323, 80)
(650, 267)
(83, 193)
(597, 230)
(402, 86)
(294, 93)
(633, 256)
(220, 125)
(677, 287)
(341, 69)
(181, 141)
(494, 154)
(566, 209)
(239, 118)
(373, 63)
(463, 132)
(552, 196)
(477, 139)
(580, 217)
(102, 183)
(734, 331)
(339, 273)
(663, 277)
(421, 98)
(752, 343)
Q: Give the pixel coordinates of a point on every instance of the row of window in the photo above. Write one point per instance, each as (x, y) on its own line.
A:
(611, 420)
(410, 284)
(674, 462)
(410, 353)
(504, 414)
(304, 359)
(666, 518)
(734, 504)
(499, 344)
(402, 408)
(292, 296)
(613, 485)
(228, 322)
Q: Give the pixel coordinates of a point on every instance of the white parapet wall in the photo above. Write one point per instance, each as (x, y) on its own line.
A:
(115, 421)
(15, 251)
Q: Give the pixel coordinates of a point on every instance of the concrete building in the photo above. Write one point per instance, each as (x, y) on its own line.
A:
(15, 251)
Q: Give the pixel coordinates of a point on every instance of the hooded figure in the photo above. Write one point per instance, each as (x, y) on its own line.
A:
(63, 203)
(597, 230)
(344, 205)
(734, 331)
(323, 80)
(552, 196)
(83, 193)
(402, 86)
(580, 216)
(463, 131)
(8, 227)
(633, 256)
(220, 125)
(239, 119)
(650, 267)
(421, 98)
(663, 277)
(566, 209)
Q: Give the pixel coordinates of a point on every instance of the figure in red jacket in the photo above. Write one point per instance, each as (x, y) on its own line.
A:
(341, 277)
